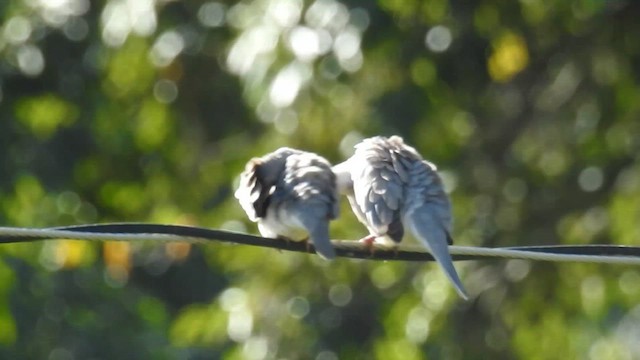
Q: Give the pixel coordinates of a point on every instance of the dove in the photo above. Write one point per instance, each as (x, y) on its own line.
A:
(390, 187)
(291, 194)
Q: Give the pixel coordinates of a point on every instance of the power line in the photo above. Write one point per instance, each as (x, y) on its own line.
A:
(609, 254)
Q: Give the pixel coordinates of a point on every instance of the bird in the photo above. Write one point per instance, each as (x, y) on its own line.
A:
(291, 194)
(390, 187)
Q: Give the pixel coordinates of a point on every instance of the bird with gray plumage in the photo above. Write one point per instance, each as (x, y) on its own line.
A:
(390, 187)
(291, 194)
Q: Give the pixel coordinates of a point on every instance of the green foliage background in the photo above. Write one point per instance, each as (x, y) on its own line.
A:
(124, 110)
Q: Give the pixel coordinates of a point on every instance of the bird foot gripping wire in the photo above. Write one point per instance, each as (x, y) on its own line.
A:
(369, 242)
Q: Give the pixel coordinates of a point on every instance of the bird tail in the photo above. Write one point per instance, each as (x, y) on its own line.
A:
(319, 234)
(425, 227)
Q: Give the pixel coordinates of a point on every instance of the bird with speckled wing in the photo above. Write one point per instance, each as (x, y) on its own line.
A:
(390, 187)
(291, 194)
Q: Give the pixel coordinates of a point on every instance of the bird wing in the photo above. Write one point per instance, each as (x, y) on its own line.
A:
(252, 193)
(378, 190)
(314, 197)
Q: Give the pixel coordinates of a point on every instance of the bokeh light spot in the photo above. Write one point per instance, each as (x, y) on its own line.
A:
(591, 179)
(298, 307)
(17, 30)
(76, 29)
(510, 56)
(165, 91)
(340, 295)
(288, 83)
(256, 348)
(166, 48)
(305, 43)
(515, 190)
(418, 325)
(30, 60)
(439, 38)
(240, 325)
(212, 14)
(233, 299)
(516, 270)
(286, 13)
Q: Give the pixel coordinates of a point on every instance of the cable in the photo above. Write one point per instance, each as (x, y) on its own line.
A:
(540, 255)
(611, 254)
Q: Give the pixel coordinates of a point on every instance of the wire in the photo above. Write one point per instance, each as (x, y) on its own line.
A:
(610, 254)
(540, 255)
